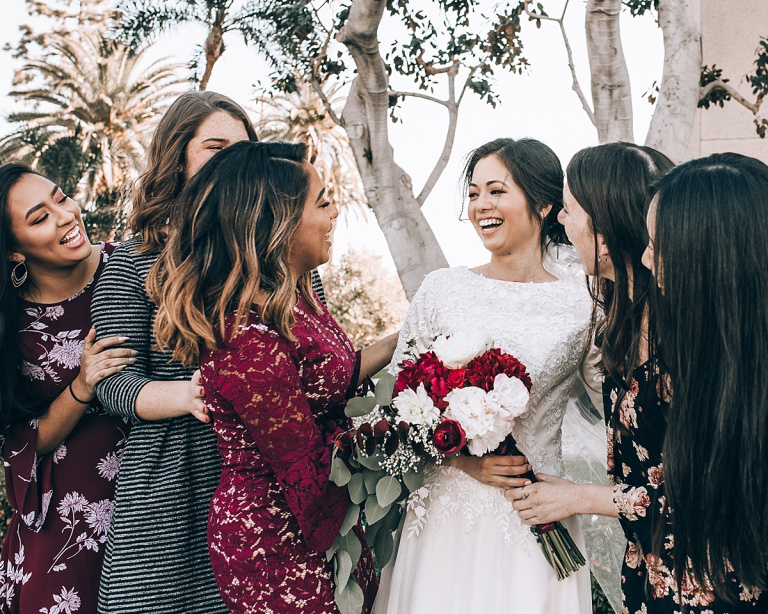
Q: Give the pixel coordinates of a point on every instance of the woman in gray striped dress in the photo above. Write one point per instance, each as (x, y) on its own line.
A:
(156, 556)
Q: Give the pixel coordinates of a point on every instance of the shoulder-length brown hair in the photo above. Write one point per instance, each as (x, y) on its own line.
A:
(163, 178)
(229, 249)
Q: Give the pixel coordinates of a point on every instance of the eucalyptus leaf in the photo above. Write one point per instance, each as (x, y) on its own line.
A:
(392, 519)
(359, 406)
(349, 599)
(342, 566)
(340, 474)
(413, 480)
(388, 490)
(356, 488)
(373, 511)
(372, 462)
(372, 530)
(371, 478)
(382, 547)
(384, 388)
(334, 547)
(350, 520)
(351, 545)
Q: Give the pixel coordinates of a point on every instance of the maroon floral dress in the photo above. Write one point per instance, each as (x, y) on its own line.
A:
(636, 427)
(276, 407)
(52, 555)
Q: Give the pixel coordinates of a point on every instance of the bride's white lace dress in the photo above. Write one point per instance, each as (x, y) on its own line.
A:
(461, 548)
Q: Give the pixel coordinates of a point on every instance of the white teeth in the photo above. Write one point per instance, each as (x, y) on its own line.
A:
(71, 235)
(490, 222)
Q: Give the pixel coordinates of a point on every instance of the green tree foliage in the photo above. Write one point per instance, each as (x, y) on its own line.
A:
(89, 107)
(366, 300)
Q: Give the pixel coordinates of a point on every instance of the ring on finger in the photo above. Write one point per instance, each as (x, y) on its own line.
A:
(523, 494)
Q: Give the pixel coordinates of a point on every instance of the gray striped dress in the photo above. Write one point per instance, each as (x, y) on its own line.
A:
(156, 556)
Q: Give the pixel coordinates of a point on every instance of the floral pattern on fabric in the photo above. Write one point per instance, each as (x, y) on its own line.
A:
(51, 559)
(636, 468)
(276, 407)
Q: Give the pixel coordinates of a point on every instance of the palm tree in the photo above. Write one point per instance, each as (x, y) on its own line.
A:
(139, 20)
(301, 115)
(97, 94)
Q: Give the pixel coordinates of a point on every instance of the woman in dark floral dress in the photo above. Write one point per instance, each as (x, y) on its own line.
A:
(606, 200)
(61, 454)
(707, 228)
(277, 370)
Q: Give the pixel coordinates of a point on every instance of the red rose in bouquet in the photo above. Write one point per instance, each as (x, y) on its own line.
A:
(449, 438)
(482, 370)
(438, 380)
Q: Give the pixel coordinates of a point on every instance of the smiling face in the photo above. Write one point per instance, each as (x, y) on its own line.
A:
(499, 210)
(216, 132)
(311, 244)
(46, 224)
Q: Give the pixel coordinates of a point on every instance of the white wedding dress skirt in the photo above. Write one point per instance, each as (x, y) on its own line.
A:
(462, 549)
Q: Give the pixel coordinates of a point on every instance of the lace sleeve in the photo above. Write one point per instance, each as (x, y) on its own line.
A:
(420, 323)
(260, 378)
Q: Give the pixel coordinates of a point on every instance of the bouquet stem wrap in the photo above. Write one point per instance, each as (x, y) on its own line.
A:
(562, 554)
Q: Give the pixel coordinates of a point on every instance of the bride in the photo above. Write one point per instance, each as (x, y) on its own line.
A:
(461, 547)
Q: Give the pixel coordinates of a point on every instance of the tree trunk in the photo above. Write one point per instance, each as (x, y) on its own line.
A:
(214, 47)
(672, 121)
(388, 187)
(611, 93)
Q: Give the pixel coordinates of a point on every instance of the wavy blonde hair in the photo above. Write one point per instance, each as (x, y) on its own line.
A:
(162, 181)
(229, 248)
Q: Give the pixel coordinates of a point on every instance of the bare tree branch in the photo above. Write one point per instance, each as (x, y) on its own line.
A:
(444, 103)
(576, 86)
(445, 155)
(326, 103)
(719, 84)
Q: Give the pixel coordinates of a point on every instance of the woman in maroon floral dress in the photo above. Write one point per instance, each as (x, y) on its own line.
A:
(61, 455)
(605, 203)
(233, 289)
(707, 228)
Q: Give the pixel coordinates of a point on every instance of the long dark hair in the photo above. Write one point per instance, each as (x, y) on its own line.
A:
(537, 170)
(710, 258)
(241, 212)
(613, 184)
(13, 408)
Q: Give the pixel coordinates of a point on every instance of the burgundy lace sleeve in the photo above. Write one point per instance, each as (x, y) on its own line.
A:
(261, 380)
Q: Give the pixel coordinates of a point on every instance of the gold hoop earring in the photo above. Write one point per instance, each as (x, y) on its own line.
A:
(16, 279)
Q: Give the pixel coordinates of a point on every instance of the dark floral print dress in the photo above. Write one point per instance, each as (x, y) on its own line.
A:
(63, 500)
(636, 426)
(276, 408)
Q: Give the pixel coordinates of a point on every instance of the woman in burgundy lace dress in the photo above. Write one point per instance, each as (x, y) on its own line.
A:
(233, 289)
(61, 454)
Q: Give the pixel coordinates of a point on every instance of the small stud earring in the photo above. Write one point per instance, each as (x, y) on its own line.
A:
(542, 214)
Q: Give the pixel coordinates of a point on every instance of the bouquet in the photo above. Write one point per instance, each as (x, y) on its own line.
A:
(460, 395)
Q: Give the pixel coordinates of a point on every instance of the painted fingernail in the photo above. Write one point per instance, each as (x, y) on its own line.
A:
(121, 338)
(134, 353)
(527, 482)
(131, 360)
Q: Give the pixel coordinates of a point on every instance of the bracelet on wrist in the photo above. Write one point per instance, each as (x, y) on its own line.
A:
(72, 392)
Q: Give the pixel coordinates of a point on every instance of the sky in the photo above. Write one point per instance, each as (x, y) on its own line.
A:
(538, 104)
